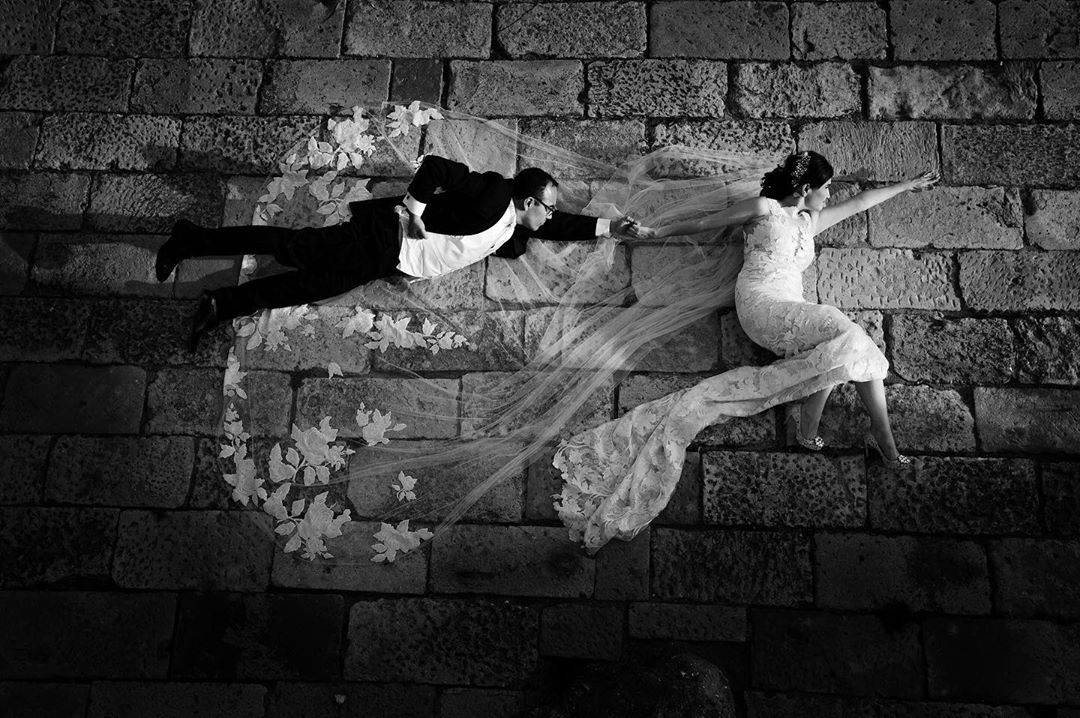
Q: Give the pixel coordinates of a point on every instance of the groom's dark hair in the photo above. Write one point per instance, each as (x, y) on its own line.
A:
(531, 182)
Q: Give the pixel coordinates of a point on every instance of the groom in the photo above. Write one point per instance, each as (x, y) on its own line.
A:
(423, 234)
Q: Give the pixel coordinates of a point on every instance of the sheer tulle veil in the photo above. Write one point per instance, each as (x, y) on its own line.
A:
(482, 373)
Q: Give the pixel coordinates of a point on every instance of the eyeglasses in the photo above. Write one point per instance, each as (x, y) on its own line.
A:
(550, 208)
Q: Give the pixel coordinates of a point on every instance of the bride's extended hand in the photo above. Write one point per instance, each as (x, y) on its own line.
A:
(924, 181)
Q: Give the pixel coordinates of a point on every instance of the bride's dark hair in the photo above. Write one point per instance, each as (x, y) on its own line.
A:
(800, 168)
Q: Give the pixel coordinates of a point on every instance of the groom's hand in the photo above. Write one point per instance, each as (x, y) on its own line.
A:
(622, 225)
(416, 227)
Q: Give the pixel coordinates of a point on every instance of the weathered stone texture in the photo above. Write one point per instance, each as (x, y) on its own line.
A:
(24, 473)
(950, 217)
(757, 567)
(800, 705)
(691, 349)
(1047, 350)
(608, 141)
(185, 401)
(504, 281)
(484, 395)
(622, 570)
(64, 634)
(105, 142)
(823, 31)
(1061, 493)
(45, 546)
(417, 79)
(21, 132)
(572, 29)
(525, 88)
(29, 26)
(174, 700)
(943, 29)
(56, 398)
(952, 351)
(73, 84)
(197, 86)
(1059, 82)
(241, 144)
(1028, 420)
(194, 550)
(95, 265)
(1052, 218)
(783, 490)
(1039, 28)
(827, 89)
(427, 407)
(131, 331)
(586, 631)
(658, 271)
(819, 652)
(657, 88)
(30, 700)
(441, 641)
(772, 140)
(316, 350)
(419, 28)
(324, 86)
(885, 279)
(33, 329)
(864, 572)
(314, 700)
(850, 232)
(1035, 577)
(737, 30)
(114, 471)
(880, 151)
(687, 622)
(468, 702)
(132, 28)
(153, 202)
(1020, 281)
(1011, 154)
(16, 249)
(956, 495)
(43, 200)
(494, 343)
(264, 28)
(952, 92)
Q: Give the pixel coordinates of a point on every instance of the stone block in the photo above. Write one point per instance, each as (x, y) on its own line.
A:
(241, 145)
(1059, 81)
(1061, 496)
(611, 142)
(572, 29)
(266, 28)
(175, 699)
(316, 700)
(495, 343)
(694, 348)
(684, 507)
(1052, 220)
(282, 636)
(97, 265)
(827, 89)
(131, 28)
(658, 270)
(427, 407)
(273, 405)
(132, 331)
(510, 561)
(106, 142)
(820, 652)
(43, 200)
(956, 495)
(59, 398)
(24, 473)
(590, 632)
(763, 138)
(462, 289)
(316, 350)
(324, 86)
(687, 622)
(417, 79)
(952, 351)
(419, 28)
(1002, 661)
(849, 30)
(468, 702)
(1036, 577)
(40, 329)
(120, 471)
(1039, 28)
(886, 279)
(1011, 154)
(153, 202)
(943, 29)
(519, 87)
(31, 700)
(965, 92)
(194, 550)
(16, 249)
(736, 30)
(657, 88)
(1028, 420)
(185, 401)
(878, 151)
(69, 634)
(197, 86)
(622, 570)
(60, 83)
(795, 705)
(950, 217)
(50, 545)
(1020, 281)
(868, 573)
(851, 232)
(783, 490)
(21, 131)
(484, 394)
(504, 281)
(729, 566)
(1047, 350)
(444, 641)
(29, 27)
(442, 483)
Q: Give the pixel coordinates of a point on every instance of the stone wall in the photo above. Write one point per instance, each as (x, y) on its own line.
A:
(821, 584)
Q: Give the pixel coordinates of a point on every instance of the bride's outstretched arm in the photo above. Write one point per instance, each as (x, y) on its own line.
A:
(738, 213)
(871, 197)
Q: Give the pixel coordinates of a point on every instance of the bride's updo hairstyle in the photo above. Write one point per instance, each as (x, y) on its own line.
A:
(801, 168)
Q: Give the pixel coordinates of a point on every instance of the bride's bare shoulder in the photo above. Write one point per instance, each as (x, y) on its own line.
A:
(756, 207)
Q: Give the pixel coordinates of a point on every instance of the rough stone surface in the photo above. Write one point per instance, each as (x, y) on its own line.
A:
(53, 634)
(427, 407)
(460, 290)
(419, 28)
(24, 474)
(66, 84)
(324, 86)
(863, 572)
(886, 279)
(572, 29)
(793, 705)
(656, 269)
(756, 567)
(15, 252)
(737, 30)
(783, 490)
(194, 550)
(1036, 577)
(315, 351)
(43, 200)
(467, 702)
(952, 92)
(956, 495)
(540, 87)
(574, 630)
(1052, 219)
(185, 401)
(153, 202)
(316, 700)
(175, 700)
(1011, 154)
(242, 145)
(57, 398)
(825, 89)
(106, 142)
(622, 570)
(33, 329)
(691, 349)
(29, 26)
(120, 471)
(835, 653)
(1020, 281)
(952, 351)
(1059, 81)
(608, 141)
(417, 79)
(441, 641)
(137, 28)
(505, 283)
(265, 28)
(49, 545)
(657, 88)
(21, 131)
(132, 331)
(879, 151)
(758, 137)
(1061, 493)
(492, 147)
(923, 419)
(197, 86)
(950, 217)
(484, 390)
(823, 31)
(1028, 420)
(1047, 350)
(687, 622)
(97, 265)
(943, 29)
(1039, 28)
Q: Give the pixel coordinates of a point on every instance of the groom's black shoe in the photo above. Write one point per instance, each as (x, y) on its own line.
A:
(172, 251)
(205, 319)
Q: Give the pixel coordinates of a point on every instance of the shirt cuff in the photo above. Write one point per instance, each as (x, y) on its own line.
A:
(603, 226)
(413, 205)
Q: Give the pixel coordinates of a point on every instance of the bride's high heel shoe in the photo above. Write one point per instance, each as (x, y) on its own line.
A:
(794, 418)
(900, 462)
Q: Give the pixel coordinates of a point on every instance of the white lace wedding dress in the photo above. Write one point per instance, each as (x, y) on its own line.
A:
(621, 474)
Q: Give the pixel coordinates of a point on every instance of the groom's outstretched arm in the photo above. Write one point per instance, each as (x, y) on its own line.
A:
(574, 227)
